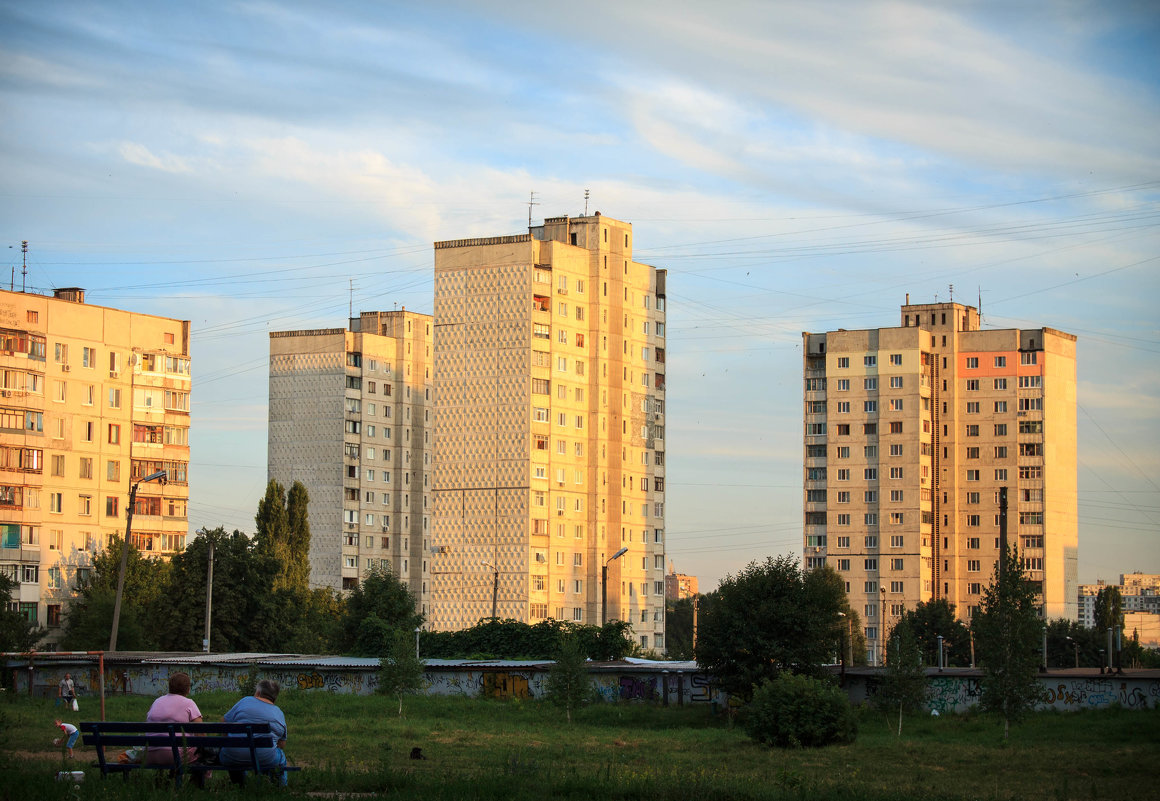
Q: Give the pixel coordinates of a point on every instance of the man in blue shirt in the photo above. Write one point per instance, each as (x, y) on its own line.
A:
(259, 708)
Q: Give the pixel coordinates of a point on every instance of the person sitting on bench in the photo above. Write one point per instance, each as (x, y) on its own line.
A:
(258, 708)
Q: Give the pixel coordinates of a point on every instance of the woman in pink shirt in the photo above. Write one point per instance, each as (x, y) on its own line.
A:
(176, 707)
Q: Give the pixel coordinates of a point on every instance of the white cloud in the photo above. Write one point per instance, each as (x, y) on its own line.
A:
(136, 153)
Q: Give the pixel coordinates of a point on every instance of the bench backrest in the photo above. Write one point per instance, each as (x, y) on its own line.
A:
(175, 736)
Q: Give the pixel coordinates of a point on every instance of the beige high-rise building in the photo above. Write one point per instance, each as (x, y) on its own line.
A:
(92, 400)
(910, 432)
(549, 459)
(350, 417)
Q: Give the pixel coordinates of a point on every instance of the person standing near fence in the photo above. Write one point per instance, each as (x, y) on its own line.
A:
(68, 692)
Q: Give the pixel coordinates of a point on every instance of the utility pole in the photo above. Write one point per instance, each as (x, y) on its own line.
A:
(208, 593)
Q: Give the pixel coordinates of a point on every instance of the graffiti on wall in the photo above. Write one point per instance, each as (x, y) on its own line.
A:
(1093, 692)
(153, 680)
(952, 693)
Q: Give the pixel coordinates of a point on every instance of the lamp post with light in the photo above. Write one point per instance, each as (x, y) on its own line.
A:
(604, 585)
(160, 475)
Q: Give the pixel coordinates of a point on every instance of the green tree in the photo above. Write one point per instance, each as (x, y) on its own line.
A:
(89, 616)
(933, 618)
(768, 618)
(401, 671)
(376, 609)
(296, 555)
(1007, 632)
(679, 628)
(569, 685)
(905, 682)
(17, 633)
(1109, 610)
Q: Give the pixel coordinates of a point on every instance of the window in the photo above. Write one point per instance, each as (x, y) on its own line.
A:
(896, 404)
(896, 427)
(895, 450)
(973, 566)
(896, 359)
(843, 429)
(1000, 474)
(843, 520)
(844, 473)
(870, 361)
(1000, 451)
(843, 542)
(1000, 361)
(843, 407)
(870, 564)
(870, 383)
(870, 586)
(843, 362)
(540, 414)
(896, 496)
(1030, 426)
(1000, 383)
(972, 362)
(1030, 381)
(870, 474)
(55, 502)
(871, 518)
(972, 385)
(111, 506)
(896, 472)
(896, 518)
(843, 453)
(973, 407)
(843, 564)
(972, 475)
(972, 453)
(896, 541)
(1029, 357)
(843, 384)
(843, 497)
(114, 434)
(870, 451)
(870, 406)
(972, 431)
(1030, 448)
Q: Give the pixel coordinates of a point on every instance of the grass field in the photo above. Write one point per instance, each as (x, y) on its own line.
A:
(478, 749)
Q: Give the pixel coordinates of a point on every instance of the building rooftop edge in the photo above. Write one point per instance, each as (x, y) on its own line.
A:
(86, 304)
(478, 241)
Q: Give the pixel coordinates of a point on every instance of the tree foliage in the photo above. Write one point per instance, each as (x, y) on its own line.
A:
(679, 627)
(17, 633)
(904, 687)
(376, 610)
(283, 533)
(1109, 610)
(768, 618)
(1007, 632)
(400, 671)
(513, 639)
(930, 619)
(569, 685)
(89, 618)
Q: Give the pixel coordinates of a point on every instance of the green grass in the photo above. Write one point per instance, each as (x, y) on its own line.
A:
(480, 749)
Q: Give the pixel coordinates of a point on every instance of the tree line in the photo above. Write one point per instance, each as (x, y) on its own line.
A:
(262, 601)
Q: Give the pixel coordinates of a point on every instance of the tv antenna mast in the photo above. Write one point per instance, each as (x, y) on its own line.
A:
(531, 202)
(24, 268)
(585, 202)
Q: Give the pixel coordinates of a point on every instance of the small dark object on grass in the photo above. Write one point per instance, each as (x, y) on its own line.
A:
(417, 753)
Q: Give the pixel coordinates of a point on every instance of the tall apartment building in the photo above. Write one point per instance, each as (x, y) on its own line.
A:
(910, 432)
(92, 399)
(350, 417)
(679, 585)
(550, 389)
(1139, 592)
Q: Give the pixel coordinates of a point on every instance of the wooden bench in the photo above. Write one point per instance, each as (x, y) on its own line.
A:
(178, 736)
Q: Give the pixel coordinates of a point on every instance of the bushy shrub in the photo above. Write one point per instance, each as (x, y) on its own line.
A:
(798, 711)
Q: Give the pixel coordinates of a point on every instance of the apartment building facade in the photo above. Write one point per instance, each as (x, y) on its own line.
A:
(550, 390)
(351, 418)
(910, 433)
(92, 399)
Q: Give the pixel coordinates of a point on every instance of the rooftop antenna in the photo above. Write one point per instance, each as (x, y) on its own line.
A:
(585, 202)
(531, 202)
(24, 269)
(980, 305)
(350, 311)
(952, 286)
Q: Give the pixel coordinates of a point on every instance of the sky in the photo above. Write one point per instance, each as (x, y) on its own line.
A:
(263, 166)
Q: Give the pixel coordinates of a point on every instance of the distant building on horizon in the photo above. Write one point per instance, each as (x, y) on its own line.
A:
(1140, 593)
(350, 417)
(92, 399)
(679, 585)
(549, 361)
(910, 432)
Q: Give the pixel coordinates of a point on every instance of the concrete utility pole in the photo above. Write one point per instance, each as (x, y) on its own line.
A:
(604, 586)
(208, 595)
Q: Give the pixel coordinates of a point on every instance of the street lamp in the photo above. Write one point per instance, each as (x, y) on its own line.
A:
(160, 475)
(604, 585)
(1076, 644)
(417, 630)
(845, 643)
